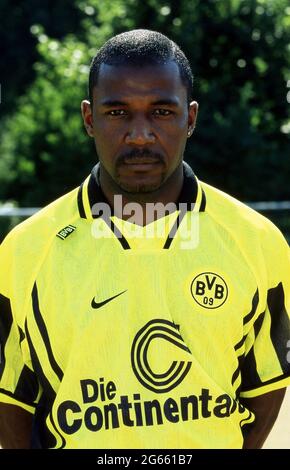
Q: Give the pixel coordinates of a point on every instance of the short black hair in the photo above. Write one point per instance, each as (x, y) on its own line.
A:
(140, 47)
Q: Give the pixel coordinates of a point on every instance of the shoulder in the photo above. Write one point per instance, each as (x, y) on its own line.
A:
(236, 216)
(259, 240)
(25, 248)
(49, 220)
(30, 240)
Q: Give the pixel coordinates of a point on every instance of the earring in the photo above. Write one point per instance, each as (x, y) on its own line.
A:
(189, 132)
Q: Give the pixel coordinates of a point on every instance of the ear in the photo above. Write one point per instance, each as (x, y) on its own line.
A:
(192, 115)
(87, 117)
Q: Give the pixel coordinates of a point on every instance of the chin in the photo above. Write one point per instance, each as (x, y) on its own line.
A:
(139, 188)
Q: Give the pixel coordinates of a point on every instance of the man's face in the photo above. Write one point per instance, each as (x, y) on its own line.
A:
(139, 123)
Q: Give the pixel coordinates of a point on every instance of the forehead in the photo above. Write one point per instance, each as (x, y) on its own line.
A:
(126, 82)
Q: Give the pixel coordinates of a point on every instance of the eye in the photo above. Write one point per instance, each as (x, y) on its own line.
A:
(162, 112)
(116, 112)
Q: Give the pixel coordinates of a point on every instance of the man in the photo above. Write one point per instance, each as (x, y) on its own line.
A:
(144, 309)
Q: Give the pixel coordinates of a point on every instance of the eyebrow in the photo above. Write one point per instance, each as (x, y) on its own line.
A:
(160, 102)
(167, 101)
(112, 103)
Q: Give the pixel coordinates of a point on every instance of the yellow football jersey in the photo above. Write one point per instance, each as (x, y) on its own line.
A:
(120, 336)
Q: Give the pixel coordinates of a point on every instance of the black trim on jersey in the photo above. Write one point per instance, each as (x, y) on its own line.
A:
(189, 188)
(240, 363)
(255, 302)
(44, 334)
(63, 441)
(41, 436)
(80, 202)
(187, 196)
(280, 325)
(95, 193)
(6, 320)
(21, 335)
(10, 394)
(249, 373)
(238, 369)
(47, 388)
(270, 381)
(117, 233)
(245, 428)
(240, 358)
(238, 391)
(240, 343)
(173, 230)
(27, 385)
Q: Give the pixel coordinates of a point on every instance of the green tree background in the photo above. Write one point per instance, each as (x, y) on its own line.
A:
(240, 55)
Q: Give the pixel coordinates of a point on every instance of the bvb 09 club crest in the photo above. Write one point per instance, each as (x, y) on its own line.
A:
(209, 290)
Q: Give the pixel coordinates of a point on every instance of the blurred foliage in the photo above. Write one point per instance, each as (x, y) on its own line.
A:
(239, 51)
(43, 145)
(18, 45)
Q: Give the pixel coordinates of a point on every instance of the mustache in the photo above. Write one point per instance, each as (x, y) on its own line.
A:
(141, 153)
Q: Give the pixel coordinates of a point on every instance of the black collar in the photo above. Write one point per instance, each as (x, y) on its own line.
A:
(192, 196)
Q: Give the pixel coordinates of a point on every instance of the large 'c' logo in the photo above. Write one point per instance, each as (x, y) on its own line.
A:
(168, 380)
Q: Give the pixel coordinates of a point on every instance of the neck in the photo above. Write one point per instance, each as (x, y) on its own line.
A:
(166, 194)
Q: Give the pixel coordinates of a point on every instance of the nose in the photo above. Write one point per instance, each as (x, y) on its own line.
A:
(140, 133)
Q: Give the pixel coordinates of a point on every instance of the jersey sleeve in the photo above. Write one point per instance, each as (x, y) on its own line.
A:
(266, 366)
(18, 382)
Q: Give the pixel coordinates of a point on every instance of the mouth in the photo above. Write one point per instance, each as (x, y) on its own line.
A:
(144, 160)
(140, 171)
(142, 164)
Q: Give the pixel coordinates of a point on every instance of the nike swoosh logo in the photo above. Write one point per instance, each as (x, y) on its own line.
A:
(101, 304)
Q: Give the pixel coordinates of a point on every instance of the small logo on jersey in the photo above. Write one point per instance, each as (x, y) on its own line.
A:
(95, 304)
(209, 290)
(66, 231)
(174, 373)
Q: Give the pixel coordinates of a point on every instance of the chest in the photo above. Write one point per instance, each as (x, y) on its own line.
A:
(105, 296)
